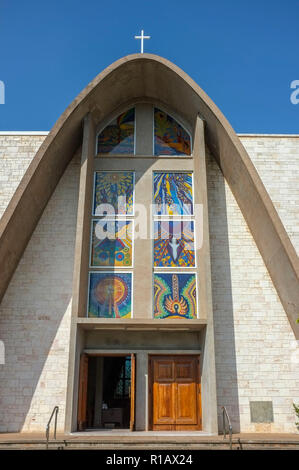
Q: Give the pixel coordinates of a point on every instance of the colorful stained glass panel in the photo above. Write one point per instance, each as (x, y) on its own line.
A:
(111, 243)
(118, 136)
(175, 295)
(173, 194)
(170, 137)
(110, 295)
(113, 193)
(174, 243)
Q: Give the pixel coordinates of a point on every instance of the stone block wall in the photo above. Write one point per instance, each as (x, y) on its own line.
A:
(16, 153)
(277, 162)
(257, 357)
(35, 312)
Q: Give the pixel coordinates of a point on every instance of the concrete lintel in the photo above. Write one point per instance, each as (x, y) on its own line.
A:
(160, 352)
(138, 324)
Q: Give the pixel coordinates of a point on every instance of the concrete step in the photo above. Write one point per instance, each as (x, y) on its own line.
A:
(93, 444)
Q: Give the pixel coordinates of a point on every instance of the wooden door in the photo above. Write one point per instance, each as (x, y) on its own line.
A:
(82, 397)
(132, 391)
(163, 393)
(175, 393)
(186, 392)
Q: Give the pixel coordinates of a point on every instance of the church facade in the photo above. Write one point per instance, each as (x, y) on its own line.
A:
(149, 274)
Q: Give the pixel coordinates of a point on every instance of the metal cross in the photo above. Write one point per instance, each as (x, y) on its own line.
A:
(142, 37)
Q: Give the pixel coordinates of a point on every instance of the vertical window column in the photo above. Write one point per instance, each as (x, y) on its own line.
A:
(111, 245)
(174, 246)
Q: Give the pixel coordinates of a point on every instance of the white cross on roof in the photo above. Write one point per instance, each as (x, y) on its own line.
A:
(142, 37)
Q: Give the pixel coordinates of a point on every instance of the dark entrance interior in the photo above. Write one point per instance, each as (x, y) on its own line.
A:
(108, 392)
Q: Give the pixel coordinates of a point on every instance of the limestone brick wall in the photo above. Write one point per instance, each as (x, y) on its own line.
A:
(277, 162)
(16, 153)
(257, 356)
(35, 312)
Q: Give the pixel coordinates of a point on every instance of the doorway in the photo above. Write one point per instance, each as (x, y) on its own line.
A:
(106, 392)
(174, 393)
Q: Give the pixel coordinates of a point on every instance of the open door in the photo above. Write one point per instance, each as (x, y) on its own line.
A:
(82, 398)
(132, 391)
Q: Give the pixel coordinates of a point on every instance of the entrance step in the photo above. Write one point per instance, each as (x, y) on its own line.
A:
(149, 444)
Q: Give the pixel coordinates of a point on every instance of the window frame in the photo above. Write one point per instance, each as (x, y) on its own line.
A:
(115, 216)
(175, 271)
(181, 124)
(107, 123)
(124, 380)
(110, 271)
(113, 220)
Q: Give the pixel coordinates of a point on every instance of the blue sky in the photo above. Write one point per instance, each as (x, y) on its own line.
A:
(243, 53)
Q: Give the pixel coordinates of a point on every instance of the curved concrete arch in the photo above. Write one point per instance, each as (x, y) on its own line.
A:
(151, 77)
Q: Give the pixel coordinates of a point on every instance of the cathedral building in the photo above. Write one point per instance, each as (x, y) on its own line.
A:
(149, 274)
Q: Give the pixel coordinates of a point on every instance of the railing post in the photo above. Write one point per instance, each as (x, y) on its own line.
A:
(55, 411)
(47, 436)
(55, 423)
(230, 428)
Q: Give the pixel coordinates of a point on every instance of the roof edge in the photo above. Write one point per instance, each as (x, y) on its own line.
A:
(57, 149)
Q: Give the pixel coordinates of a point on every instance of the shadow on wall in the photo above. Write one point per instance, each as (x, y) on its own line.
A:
(225, 352)
(35, 317)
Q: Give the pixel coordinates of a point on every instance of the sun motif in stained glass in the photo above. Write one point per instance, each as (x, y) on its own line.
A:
(110, 295)
(113, 193)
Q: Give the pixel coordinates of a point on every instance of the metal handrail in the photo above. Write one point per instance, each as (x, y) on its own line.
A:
(230, 428)
(55, 411)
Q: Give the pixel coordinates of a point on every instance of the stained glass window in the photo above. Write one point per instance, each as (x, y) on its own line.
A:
(110, 295)
(118, 136)
(113, 193)
(170, 138)
(175, 295)
(123, 385)
(174, 244)
(173, 194)
(111, 243)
